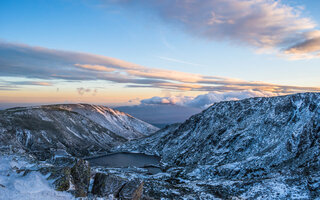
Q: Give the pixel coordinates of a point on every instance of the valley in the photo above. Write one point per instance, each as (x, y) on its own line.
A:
(256, 148)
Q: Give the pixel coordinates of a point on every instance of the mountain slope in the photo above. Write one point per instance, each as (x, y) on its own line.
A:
(251, 133)
(255, 145)
(118, 122)
(45, 129)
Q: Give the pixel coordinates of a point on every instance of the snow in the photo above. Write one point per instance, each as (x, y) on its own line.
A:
(32, 186)
(118, 122)
(74, 132)
(248, 140)
(29, 135)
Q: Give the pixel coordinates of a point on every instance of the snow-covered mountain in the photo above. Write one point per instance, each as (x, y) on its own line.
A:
(276, 128)
(256, 146)
(116, 121)
(78, 129)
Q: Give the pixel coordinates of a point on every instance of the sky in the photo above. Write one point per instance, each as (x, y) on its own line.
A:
(149, 52)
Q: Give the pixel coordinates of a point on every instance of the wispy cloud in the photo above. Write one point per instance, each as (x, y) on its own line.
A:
(35, 83)
(308, 48)
(95, 67)
(264, 24)
(179, 61)
(48, 66)
(17, 85)
(8, 88)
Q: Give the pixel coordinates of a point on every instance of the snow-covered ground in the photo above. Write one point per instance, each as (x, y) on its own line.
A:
(31, 186)
(118, 122)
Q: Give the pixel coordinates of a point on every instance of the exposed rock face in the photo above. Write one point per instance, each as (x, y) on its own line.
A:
(106, 184)
(80, 173)
(62, 178)
(77, 129)
(250, 148)
(132, 190)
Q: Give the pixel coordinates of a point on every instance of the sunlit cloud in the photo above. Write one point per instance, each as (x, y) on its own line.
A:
(17, 85)
(49, 66)
(308, 48)
(95, 68)
(35, 83)
(267, 25)
(205, 100)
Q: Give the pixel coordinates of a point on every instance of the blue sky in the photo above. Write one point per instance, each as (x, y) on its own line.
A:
(148, 36)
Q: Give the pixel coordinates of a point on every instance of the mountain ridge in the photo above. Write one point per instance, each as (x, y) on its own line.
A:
(78, 129)
(247, 148)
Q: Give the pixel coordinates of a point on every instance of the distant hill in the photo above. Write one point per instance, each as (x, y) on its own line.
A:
(78, 129)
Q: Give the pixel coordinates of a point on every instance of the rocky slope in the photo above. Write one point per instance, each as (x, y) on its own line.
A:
(248, 148)
(118, 122)
(78, 129)
(151, 144)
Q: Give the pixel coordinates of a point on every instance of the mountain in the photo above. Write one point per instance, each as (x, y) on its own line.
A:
(248, 148)
(116, 121)
(76, 129)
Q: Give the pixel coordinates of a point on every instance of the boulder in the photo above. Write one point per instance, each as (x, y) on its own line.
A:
(80, 173)
(132, 190)
(61, 176)
(106, 184)
(62, 183)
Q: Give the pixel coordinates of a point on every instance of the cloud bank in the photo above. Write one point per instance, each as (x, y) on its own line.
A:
(205, 100)
(48, 66)
(265, 24)
(176, 109)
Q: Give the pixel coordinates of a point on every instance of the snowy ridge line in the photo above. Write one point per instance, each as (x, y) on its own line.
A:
(80, 129)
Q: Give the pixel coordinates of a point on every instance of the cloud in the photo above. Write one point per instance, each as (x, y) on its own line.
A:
(173, 109)
(174, 100)
(51, 66)
(34, 83)
(8, 88)
(95, 68)
(16, 85)
(204, 100)
(179, 61)
(309, 48)
(81, 91)
(264, 24)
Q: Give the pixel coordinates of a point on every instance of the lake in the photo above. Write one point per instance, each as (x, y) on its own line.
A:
(125, 160)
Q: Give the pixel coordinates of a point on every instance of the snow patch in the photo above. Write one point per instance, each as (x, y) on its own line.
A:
(29, 187)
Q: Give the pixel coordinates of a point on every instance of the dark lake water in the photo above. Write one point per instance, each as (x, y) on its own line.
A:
(124, 160)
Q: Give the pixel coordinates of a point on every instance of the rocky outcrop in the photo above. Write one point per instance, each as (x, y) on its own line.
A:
(132, 190)
(69, 174)
(106, 184)
(62, 178)
(80, 173)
